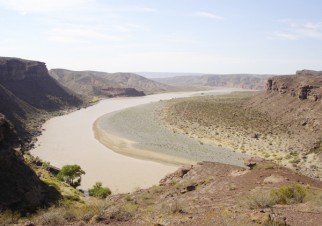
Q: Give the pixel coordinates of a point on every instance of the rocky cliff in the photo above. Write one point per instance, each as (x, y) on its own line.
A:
(27, 92)
(305, 84)
(27, 95)
(30, 82)
(20, 187)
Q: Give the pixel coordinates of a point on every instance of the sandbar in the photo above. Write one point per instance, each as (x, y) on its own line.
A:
(69, 139)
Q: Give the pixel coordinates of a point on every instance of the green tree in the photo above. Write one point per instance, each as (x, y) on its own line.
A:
(99, 191)
(71, 174)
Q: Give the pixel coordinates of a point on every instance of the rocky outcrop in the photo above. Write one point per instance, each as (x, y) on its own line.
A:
(19, 69)
(27, 92)
(20, 187)
(30, 82)
(177, 175)
(304, 85)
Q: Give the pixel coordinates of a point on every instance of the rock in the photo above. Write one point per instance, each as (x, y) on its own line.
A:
(277, 219)
(53, 170)
(269, 84)
(273, 179)
(29, 223)
(176, 175)
(251, 163)
(255, 135)
(304, 92)
(191, 187)
(260, 217)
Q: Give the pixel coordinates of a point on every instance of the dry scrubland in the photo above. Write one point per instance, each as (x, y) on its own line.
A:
(243, 122)
(203, 194)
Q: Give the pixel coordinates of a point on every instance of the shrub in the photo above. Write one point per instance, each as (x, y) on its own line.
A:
(51, 217)
(99, 191)
(9, 217)
(258, 199)
(289, 194)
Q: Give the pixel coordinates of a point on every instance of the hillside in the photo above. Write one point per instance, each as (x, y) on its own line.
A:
(27, 92)
(205, 194)
(21, 189)
(28, 97)
(282, 124)
(93, 83)
(245, 81)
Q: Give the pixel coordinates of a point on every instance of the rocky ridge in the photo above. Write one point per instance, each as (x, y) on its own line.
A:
(93, 83)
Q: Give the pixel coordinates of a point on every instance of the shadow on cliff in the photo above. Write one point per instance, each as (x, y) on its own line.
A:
(20, 189)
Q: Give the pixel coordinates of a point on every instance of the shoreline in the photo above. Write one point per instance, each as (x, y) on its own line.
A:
(137, 132)
(69, 139)
(125, 147)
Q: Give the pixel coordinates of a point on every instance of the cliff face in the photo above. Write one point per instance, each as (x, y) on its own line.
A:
(304, 85)
(27, 92)
(30, 82)
(20, 188)
(18, 69)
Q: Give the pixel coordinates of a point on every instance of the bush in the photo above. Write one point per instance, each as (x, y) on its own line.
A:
(9, 217)
(99, 191)
(51, 217)
(289, 194)
(258, 199)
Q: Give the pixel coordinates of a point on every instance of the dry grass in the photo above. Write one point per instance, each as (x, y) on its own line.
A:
(285, 195)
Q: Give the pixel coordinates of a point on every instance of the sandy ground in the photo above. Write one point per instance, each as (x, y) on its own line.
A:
(69, 139)
(143, 131)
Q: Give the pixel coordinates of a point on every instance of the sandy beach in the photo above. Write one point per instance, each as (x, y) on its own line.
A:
(69, 139)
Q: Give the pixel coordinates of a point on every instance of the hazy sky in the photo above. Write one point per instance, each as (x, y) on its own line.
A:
(207, 36)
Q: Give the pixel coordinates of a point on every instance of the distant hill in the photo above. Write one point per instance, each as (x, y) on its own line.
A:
(247, 81)
(152, 75)
(27, 90)
(93, 83)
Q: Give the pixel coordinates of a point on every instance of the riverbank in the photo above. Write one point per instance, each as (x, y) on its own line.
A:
(138, 133)
(69, 139)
